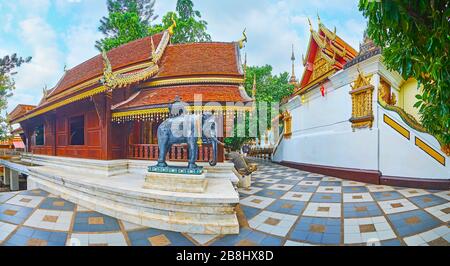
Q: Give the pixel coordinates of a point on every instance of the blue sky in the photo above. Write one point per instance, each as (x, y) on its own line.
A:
(58, 33)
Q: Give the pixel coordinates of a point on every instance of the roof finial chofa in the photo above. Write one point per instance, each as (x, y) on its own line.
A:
(310, 25)
(173, 26)
(243, 40)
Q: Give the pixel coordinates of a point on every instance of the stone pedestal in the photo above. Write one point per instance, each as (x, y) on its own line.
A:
(6, 176)
(176, 182)
(14, 180)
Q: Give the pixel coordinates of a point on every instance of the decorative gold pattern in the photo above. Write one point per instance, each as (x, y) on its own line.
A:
(397, 127)
(321, 67)
(407, 118)
(287, 120)
(183, 81)
(77, 97)
(162, 112)
(411, 121)
(116, 80)
(362, 91)
(430, 151)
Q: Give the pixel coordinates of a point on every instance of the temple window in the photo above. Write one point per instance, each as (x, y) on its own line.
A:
(39, 135)
(76, 130)
(287, 119)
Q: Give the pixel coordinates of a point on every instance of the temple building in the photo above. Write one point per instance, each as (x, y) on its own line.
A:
(351, 117)
(93, 137)
(110, 106)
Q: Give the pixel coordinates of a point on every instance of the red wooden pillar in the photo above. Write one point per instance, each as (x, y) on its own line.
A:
(102, 104)
(107, 127)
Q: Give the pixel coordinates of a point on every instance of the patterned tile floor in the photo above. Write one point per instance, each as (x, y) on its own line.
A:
(283, 206)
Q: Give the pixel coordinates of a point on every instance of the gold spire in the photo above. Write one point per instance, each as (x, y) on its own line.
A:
(254, 87)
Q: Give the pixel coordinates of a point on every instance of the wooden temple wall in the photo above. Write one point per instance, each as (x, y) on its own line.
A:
(57, 132)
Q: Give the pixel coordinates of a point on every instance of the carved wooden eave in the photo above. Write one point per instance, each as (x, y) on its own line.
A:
(114, 80)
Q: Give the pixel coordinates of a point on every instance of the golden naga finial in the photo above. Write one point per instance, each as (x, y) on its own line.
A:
(318, 19)
(304, 60)
(173, 26)
(244, 39)
(310, 25)
(44, 91)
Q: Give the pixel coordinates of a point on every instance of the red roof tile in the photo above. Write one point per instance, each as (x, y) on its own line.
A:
(178, 60)
(165, 95)
(199, 59)
(125, 55)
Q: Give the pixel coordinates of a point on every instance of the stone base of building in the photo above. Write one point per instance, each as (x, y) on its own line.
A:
(123, 196)
(176, 182)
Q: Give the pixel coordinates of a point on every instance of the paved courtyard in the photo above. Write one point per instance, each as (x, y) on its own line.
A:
(284, 206)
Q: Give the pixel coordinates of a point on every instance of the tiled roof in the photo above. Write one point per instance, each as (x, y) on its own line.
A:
(178, 60)
(199, 59)
(166, 95)
(20, 110)
(128, 54)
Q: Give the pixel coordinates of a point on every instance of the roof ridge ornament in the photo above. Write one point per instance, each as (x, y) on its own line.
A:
(310, 25)
(243, 40)
(44, 91)
(304, 60)
(153, 50)
(116, 80)
(173, 26)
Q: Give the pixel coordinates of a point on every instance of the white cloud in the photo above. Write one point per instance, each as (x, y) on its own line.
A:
(272, 27)
(7, 22)
(34, 7)
(80, 42)
(45, 67)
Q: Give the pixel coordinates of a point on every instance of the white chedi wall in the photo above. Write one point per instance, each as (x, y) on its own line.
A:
(322, 134)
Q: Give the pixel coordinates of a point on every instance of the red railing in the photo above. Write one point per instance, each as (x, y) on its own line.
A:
(177, 153)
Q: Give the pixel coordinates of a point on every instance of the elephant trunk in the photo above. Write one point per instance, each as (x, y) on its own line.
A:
(213, 162)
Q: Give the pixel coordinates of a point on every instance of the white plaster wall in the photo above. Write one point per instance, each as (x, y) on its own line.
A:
(401, 157)
(322, 134)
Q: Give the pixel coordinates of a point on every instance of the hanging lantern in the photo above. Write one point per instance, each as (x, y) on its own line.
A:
(303, 99)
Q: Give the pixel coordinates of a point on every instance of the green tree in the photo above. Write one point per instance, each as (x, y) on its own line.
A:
(127, 21)
(190, 27)
(7, 66)
(269, 89)
(415, 36)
